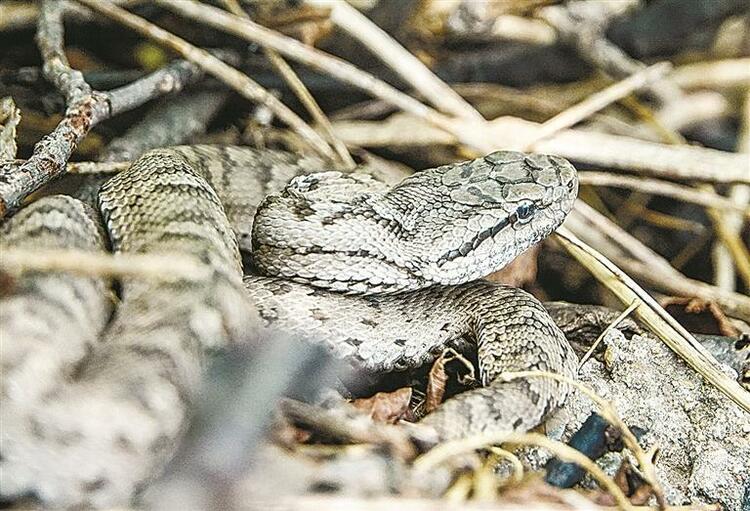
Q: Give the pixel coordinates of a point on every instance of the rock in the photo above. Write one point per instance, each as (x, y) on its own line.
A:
(703, 437)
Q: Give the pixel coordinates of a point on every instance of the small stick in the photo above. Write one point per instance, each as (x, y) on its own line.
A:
(98, 167)
(663, 188)
(169, 123)
(316, 59)
(169, 267)
(601, 99)
(619, 319)
(718, 74)
(679, 163)
(610, 414)
(645, 264)
(739, 195)
(583, 25)
(49, 40)
(85, 109)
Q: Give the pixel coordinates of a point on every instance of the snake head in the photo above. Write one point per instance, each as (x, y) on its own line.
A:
(493, 208)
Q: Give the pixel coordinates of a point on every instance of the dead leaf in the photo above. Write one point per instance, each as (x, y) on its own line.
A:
(438, 378)
(700, 316)
(388, 407)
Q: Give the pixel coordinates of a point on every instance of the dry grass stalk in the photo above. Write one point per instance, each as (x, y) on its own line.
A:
(662, 324)
(619, 319)
(609, 413)
(678, 163)
(400, 60)
(316, 59)
(643, 263)
(447, 450)
(684, 193)
(598, 101)
(318, 502)
(719, 74)
(157, 267)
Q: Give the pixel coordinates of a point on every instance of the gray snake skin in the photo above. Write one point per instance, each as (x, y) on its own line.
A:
(386, 277)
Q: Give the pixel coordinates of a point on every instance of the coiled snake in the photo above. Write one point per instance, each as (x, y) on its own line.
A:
(386, 277)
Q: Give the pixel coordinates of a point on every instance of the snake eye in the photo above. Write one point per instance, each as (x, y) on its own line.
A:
(524, 211)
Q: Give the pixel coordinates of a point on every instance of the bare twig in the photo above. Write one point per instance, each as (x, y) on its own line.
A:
(680, 163)
(170, 79)
(663, 188)
(583, 25)
(306, 55)
(727, 228)
(85, 108)
(169, 123)
(168, 267)
(645, 264)
(96, 167)
(619, 319)
(307, 99)
(302, 93)
(600, 100)
(740, 196)
(49, 39)
(720, 74)
(16, 14)
(522, 29)
(20, 14)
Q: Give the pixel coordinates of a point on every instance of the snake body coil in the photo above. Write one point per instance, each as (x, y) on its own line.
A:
(383, 276)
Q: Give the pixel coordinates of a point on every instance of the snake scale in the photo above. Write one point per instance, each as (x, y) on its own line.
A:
(95, 397)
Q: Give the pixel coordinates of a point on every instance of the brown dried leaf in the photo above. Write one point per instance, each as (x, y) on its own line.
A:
(436, 384)
(700, 316)
(387, 407)
(438, 378)
(287, 435)
(631, 483)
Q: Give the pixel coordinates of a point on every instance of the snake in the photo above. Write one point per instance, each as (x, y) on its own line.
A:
(98, 381)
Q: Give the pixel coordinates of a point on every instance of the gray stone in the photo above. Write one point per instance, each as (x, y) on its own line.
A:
(703, 437)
